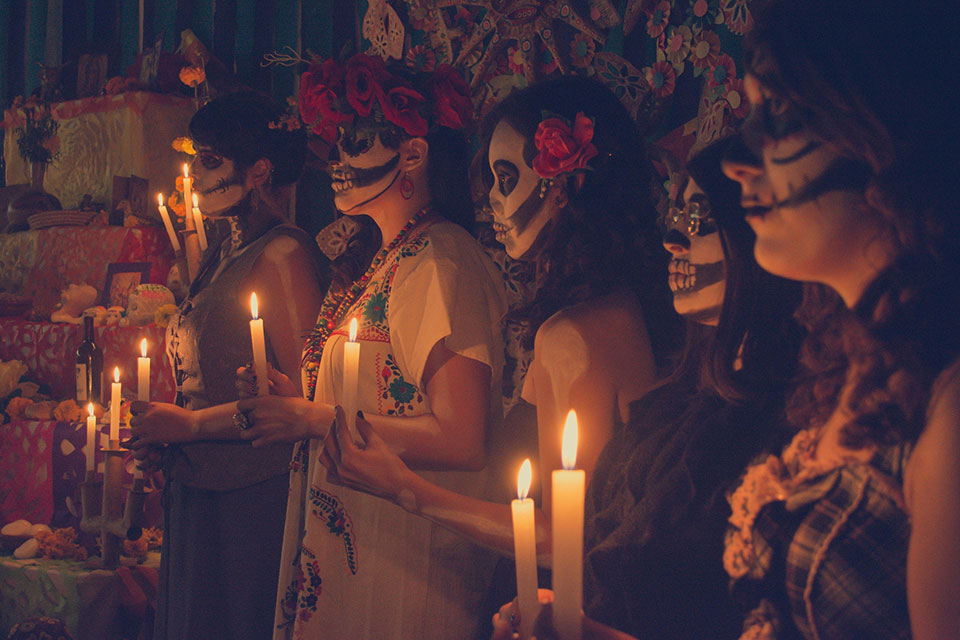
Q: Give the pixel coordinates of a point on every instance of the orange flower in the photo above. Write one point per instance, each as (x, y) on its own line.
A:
(192, 76)
(16, 407)
(179, 184)
(67, 411)
(184, 144)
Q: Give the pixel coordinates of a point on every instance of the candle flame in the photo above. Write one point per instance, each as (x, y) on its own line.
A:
(90, 409)
(254, 307)
(143, 348)
(353, 330)
(523, 479)
(196, 204)
(568, 451)
(116, 374)
(186, 174)
(159, 199)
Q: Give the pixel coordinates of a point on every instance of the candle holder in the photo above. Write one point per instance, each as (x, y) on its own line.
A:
(102, 511)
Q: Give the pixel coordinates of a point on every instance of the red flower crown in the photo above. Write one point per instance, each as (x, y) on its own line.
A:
(364, 97)
(563, 149)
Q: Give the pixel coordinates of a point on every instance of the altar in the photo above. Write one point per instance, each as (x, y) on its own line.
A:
(106, 136)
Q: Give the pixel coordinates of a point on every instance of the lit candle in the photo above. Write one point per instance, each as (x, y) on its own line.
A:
(168, 225)
(525, 551)
(143, 373)
(187, 184)
(115, 409)
(89, 450)
(259, 348)
(351, 375)
(198, 220)
(567, 523)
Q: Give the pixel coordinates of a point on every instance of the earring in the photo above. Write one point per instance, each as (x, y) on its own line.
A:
(406, 187)
(545, 183)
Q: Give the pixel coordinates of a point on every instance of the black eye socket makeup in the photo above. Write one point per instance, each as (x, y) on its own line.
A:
(354, 145)
(506, 175)
(209, 159)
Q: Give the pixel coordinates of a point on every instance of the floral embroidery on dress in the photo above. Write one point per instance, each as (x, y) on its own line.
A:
(397, 396)
(309, 585)
(375, 309)
(301, 455)
(329, 509)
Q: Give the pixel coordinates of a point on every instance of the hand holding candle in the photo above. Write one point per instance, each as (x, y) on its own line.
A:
(90, 450)
(115, 409)
(567, 528)
(168, 225)
(525, 551)
(198, 220)
(259, 348)
(351, 374)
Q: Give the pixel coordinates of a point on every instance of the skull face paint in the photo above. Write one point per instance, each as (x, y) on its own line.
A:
(361, 170)
(803, 200)
(216, 181)
(519, 213)
(696, 271)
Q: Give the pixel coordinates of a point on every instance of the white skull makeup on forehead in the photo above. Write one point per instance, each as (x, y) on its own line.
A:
(696, 273)
(216, 181)
(362, 170)
(519, 212)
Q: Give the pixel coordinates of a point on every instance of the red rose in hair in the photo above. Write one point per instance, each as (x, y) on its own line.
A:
(320, 87)
(451, 98)
(562, 149)
(363, 78)
(400, 106)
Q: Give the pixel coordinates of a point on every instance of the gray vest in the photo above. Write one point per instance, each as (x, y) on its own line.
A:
(208, 340)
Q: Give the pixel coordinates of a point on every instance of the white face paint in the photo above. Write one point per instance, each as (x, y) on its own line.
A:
(216, 183)
(519, 215)
(696, 273)
(361, 171)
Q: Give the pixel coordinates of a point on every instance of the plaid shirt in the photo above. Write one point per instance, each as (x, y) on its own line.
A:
(846, 552)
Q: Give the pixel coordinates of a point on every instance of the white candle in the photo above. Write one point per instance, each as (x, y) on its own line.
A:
(89, 450)
(259, 348)
(143, 373)
(115, 409)
(351, 376)
(525, 551)
(198, 220)
(187, 185)
(168, 225)
(567, 526)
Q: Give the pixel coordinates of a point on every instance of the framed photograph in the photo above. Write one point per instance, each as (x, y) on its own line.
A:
(130, 196)
(122, 279)
(91, 74)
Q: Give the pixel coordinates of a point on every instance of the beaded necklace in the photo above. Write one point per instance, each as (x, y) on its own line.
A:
(337, 303)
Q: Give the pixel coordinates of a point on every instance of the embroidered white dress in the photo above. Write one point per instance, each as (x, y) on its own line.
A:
(355, 566)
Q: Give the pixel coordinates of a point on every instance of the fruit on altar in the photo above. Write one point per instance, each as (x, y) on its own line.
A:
(16, 528)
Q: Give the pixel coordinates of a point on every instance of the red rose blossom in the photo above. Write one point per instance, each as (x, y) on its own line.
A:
(363, 77)
(320, 87)
(451, 97)
(400, 106)
(562, 149)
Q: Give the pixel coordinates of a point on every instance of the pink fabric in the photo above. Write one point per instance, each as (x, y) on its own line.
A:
(48, 348)
(137, 101)
(26, 471)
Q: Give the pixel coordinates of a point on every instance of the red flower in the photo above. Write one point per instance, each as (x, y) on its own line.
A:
(658, 20)
(723, 71)
(400, 106)
(661, 77)
(320, 87)
(363, 78)
(562, 149)
(451, 98)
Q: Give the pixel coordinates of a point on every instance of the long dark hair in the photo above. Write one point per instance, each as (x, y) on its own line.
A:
(659, 486)
(605, 239)
(851, 69)
(238, 125)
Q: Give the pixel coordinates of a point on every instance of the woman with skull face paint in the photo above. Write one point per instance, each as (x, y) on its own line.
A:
(223, 498)
(598, 261)
(428, 304)
(851, 188)
(655, 509)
